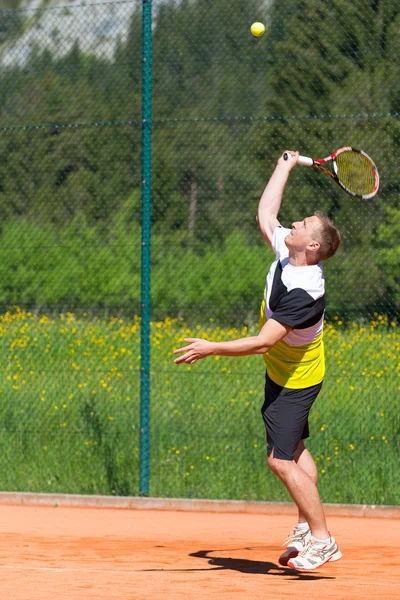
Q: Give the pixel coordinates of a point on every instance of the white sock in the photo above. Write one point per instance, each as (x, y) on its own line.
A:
(304, 525)
(328, 541)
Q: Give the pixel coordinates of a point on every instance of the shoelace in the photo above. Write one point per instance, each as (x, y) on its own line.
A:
(291, 537)
(311, 548)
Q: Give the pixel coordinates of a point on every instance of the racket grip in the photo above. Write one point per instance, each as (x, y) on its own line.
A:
(302, 160)
(305, 161)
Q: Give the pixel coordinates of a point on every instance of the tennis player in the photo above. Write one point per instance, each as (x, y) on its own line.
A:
(290, 339)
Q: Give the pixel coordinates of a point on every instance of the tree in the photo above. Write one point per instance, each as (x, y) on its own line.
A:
(335, 86)
(74, 144)
(208, 81)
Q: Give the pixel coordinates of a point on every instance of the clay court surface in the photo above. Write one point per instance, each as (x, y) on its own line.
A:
(62, 553)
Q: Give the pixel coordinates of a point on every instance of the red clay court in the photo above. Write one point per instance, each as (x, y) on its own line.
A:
(66, 552)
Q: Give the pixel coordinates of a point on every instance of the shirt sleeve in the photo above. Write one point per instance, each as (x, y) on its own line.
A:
(299, 310)
(278, 242)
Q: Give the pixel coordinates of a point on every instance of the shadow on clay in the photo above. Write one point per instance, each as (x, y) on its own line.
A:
(243, 565)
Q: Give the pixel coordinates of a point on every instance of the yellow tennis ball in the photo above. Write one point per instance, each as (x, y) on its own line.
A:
(257, 29)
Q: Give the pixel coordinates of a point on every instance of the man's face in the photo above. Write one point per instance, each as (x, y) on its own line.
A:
(303, 233)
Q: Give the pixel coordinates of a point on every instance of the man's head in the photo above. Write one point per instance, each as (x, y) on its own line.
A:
(316, 237)
(328, 236)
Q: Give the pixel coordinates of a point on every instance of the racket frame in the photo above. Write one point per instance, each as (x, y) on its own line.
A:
(319, 162)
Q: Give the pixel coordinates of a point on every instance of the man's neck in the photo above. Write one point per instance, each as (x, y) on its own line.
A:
(300, 260)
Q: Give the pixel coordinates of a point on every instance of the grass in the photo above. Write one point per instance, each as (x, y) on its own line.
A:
(69, 403)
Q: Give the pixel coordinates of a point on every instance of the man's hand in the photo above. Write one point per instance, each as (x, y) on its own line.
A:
(291, 160)
(197, 349)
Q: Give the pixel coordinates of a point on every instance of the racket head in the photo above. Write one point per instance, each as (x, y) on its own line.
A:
(355, 172)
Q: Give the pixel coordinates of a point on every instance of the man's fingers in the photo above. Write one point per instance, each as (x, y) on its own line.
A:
(178, 350)
(186, 348)
(180, 359)
(191, 353)
(185, 358)
(289, 159)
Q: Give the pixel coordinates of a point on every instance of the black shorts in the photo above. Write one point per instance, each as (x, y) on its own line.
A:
(285, 414)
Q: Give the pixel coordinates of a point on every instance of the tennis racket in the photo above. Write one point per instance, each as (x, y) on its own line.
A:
(352, 169)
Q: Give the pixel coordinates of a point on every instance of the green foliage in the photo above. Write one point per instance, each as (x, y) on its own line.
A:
(89, 267)
(389, 253)
(11, 23)
(81, 267)
(225, 105)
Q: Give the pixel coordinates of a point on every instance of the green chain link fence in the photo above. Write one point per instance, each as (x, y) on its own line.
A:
(73, 177)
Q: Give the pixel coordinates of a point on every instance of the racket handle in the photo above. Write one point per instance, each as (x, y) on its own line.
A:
(301, 160)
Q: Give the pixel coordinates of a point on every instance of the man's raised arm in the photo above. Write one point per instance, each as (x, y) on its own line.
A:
(270, 201)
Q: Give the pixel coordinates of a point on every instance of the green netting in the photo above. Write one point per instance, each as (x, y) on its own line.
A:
(225, 106)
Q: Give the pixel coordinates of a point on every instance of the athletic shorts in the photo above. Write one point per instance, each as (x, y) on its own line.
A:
(285, 414)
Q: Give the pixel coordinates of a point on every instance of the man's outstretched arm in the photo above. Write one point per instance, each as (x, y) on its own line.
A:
(270, 201)
(270, 334)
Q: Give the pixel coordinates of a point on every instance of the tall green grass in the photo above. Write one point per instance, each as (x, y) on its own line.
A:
(69, 404)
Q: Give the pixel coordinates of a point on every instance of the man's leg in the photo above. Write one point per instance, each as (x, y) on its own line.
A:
(306, 462)
(303, 490)
(285, 415)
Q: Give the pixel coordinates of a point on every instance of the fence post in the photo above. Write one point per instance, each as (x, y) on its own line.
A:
(146, 247)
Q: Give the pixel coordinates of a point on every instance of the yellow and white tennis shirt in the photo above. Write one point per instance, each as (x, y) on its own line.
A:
(295, 296)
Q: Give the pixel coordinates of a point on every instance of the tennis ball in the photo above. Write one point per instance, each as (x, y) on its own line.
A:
(257, 29)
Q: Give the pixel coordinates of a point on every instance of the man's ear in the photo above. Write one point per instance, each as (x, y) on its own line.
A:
(313, 246)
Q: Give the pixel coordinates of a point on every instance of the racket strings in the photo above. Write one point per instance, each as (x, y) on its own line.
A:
(356, 172)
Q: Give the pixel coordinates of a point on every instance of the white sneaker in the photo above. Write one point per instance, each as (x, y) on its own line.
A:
(295, 541)
(314, 555)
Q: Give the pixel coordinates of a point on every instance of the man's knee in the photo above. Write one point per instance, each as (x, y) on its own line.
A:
(277, 465)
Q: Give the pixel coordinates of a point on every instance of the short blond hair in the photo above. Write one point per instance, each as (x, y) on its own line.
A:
(328, 236)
